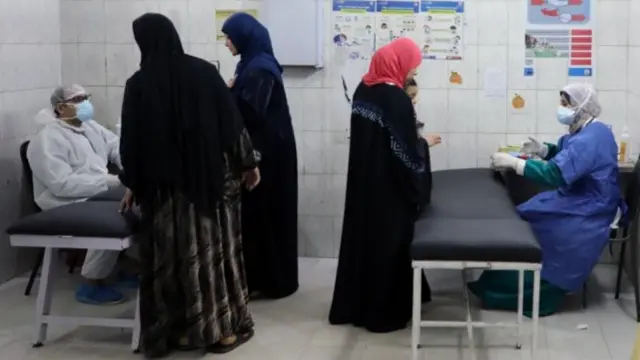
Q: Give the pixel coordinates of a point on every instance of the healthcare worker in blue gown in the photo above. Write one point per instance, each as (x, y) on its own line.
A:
(572, 222)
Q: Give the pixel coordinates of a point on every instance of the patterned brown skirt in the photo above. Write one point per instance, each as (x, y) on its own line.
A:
(193, 283)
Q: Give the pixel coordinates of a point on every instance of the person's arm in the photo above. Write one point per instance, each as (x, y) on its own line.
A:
(113, 145)
(128, 136)
(576, 159)
(552, 151)
(49, 163)
(255, 97)
(543, 172)
(407, 151)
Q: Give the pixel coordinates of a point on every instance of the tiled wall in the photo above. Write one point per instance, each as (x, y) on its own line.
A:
(29, 68)
(98, 51)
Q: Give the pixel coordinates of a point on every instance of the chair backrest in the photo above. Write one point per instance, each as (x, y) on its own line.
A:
(632, 192)
(27, 174)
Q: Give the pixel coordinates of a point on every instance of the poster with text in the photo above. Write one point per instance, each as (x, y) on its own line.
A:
(441, 36)
(223, 15)
(394, 19)
(352, 28)
(560, 30)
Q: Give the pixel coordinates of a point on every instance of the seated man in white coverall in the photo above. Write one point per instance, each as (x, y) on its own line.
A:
(69, 159)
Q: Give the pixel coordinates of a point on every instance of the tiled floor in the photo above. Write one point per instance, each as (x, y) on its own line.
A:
(296, 328)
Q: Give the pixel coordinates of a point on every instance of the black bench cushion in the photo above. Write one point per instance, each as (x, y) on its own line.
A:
(450, 239)
(115, 194)
(469, 194)
(83, 219)
(472, 218)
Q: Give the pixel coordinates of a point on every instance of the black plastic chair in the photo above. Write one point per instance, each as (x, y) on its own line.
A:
(627, 232)
(27, 175)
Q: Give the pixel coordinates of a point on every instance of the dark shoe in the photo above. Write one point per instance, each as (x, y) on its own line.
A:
(220, 348)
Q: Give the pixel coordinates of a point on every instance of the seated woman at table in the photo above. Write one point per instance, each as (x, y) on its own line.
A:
(389, 179)
(572, 222)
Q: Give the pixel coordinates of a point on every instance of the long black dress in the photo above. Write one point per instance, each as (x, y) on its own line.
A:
(270, 211)
(388, 181)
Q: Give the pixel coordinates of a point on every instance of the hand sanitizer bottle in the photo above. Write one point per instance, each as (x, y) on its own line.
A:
(624, 145)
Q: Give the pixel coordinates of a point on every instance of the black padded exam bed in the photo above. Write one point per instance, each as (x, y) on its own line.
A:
(472, 223)
(472, 218)
(94, 225)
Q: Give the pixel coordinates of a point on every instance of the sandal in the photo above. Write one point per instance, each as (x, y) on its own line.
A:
(220, 348)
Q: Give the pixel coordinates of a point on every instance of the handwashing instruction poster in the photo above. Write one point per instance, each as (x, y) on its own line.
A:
(353, 23)
(560, 30)
(442, 35)
(395, 19)
(364, 26)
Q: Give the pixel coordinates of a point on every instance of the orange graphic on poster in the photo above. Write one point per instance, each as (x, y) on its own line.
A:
(517, 102)
(455, 78)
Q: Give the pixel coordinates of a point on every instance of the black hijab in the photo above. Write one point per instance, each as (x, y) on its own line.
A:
(179, 118)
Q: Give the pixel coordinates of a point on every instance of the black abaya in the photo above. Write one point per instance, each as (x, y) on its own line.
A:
(388, 181)
(270, 211)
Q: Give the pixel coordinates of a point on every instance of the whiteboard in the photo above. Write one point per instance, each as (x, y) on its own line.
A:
(296, 28)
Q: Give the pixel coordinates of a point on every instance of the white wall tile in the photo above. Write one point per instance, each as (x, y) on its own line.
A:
(433, 110)
(548, 102)
(551, 74)
(492, 114)
(516, 77)
(121, 63)
(202, 29)
(517, 21)
(462, 150)
(493, 22)
(614, 109)
(611, 71)
(487, 145)
(467, 68)
(633, 72)
(463, 111)
(472, 22)
(92, 69)
(613, 23)
(634, 25)
(522, 120)
(433, 74)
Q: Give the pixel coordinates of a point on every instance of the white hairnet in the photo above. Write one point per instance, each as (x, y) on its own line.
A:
(66, 93)
(584, 99)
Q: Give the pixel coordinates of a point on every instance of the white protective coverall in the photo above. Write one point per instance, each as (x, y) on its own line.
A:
(69, 164)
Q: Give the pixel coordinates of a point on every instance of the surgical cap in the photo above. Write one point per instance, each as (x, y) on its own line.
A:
(584, 98)
(66, 93)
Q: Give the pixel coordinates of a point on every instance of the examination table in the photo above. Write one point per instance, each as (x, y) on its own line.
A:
(91, 224)
(473, 224)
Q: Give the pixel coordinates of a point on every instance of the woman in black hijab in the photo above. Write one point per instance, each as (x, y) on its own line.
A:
(185, 154)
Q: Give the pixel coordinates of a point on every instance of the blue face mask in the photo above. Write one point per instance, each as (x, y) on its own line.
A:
(565, 115)
(84, 111)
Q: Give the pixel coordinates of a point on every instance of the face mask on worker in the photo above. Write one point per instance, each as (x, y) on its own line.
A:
(565, 115)
(84, 111)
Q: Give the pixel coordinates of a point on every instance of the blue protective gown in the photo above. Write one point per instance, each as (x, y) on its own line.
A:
(572, 222)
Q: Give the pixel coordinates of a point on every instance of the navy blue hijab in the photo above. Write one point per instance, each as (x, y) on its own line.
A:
(252, 41)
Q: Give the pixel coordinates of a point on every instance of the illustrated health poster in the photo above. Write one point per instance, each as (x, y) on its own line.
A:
(442, 33)
(223, 15)
(352, 28)
(560, 30)
(394, 19)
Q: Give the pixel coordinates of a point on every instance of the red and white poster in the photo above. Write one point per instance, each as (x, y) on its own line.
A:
(560, 29)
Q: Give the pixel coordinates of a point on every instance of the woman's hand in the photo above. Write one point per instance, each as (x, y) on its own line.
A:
(433, 139)
(127, 201)
(252, 178)
(231, 82)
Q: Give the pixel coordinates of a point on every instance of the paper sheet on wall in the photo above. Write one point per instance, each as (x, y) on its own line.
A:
(495, 82)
